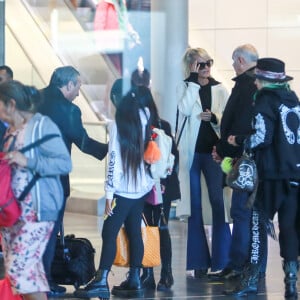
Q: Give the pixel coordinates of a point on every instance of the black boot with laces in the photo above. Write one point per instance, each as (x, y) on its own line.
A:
(98, 287)
(131, 287)
(147, 279)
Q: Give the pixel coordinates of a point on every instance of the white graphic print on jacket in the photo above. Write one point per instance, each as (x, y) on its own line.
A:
(284, 111)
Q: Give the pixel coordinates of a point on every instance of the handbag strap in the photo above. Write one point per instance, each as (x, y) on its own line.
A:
(247, 147)
(176, 124)
(144, 219)
(182, 127)
(162, 223)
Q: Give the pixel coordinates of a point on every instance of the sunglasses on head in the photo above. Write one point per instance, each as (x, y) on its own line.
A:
(202, 65)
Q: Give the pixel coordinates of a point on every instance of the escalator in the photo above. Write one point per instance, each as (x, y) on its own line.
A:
(49, 35)
(42, 35)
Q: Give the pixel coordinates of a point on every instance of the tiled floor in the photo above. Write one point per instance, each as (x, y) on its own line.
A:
(185, 287)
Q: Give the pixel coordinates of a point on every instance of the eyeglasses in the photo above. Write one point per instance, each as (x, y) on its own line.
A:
(202, 65)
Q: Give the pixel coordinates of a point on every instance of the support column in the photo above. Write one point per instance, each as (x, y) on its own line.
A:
(2, 32)
(169, 39)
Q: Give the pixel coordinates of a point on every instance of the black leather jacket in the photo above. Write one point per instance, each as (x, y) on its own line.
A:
(67, 117)
(237, 116)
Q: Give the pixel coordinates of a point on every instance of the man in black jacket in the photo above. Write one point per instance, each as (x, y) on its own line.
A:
(236, 120)
(57, 104)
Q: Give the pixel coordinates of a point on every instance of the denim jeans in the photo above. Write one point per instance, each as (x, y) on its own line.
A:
(198, 254)
(241, 216)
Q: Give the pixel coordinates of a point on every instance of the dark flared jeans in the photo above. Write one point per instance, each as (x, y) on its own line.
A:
(198, 254)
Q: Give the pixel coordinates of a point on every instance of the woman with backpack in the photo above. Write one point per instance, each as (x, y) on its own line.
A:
(24, 242)
(158, 215)
(128, 183)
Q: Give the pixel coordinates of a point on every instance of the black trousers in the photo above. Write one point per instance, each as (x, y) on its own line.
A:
(287, 220)
(282, 197)
(259, 239)
(127, 212)
(50, 249)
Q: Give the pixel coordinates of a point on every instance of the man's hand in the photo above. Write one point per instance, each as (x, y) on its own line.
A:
(216, 157)
(231, 140)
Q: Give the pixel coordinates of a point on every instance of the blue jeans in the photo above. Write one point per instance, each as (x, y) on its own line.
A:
(241, 216)
(198, 255)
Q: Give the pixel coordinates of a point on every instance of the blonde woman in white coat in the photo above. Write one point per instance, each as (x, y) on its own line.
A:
(201, 101)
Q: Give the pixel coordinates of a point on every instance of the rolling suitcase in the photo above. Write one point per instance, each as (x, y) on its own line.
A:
(73, 262)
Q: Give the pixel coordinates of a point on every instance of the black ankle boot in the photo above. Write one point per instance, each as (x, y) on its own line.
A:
(248, 284)
(166, 279)
(131, 287)
(290, 269)
(98, 287)
(147, 279)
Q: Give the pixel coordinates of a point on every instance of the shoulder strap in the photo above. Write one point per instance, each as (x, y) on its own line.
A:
(159, 123)
(38, 142)
(29, 186)
(36, 176)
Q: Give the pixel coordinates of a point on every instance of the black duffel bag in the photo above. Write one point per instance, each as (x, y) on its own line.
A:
(73, 262)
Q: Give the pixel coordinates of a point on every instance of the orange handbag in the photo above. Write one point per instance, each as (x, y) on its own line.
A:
(151, 240)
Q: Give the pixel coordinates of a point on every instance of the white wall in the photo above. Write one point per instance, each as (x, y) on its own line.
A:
(272, 26)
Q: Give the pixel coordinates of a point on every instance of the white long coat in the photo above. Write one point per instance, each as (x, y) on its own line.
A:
(189, 105)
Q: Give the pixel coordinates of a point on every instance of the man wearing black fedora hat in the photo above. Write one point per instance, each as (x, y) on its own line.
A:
(271, 70)
(276, 147)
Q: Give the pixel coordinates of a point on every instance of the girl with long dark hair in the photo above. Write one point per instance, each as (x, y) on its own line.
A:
(127, 185)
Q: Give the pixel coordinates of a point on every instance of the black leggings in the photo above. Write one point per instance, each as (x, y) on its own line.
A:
(129, 212)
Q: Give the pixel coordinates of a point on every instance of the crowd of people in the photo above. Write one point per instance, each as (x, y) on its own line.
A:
(261, 115)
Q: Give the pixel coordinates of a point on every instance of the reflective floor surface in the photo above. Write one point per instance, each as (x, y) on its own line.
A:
(185, 286)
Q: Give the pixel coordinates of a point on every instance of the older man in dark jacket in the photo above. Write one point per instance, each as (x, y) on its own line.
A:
(236, 120)
(58, 97)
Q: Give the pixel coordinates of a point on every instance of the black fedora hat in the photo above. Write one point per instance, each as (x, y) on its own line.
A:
(271, 69)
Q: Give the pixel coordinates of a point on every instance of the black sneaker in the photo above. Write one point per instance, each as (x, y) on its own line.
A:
(221, 275)
(200, 273)
(56, 290)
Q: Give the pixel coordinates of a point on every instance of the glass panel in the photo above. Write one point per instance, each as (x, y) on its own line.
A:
(87, 177)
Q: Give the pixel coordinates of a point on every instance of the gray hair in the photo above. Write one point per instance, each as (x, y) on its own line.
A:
(247, 51)
(63, 75)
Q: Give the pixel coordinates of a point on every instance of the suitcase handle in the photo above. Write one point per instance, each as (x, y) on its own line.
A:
(66, 252)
